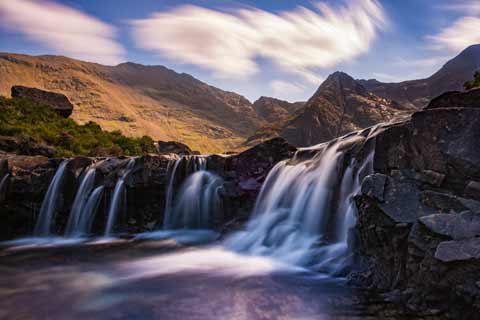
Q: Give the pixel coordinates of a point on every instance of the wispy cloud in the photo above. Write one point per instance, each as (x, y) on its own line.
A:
(285, 89)
(65, 30)
(464, 31)
(229, 43)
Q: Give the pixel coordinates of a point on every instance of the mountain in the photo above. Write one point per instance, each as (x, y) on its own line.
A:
(418, 93)
(273, 110)
(340, 105)
(139, 100)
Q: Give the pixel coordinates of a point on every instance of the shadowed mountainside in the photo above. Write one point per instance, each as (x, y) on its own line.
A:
(340, 105)
(418, 93)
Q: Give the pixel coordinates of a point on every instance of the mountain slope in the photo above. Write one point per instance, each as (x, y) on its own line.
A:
(273, 110)
(339, 106)
(138, 100)
(418, 93)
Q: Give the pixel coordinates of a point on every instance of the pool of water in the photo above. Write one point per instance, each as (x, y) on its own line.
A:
(164, 280)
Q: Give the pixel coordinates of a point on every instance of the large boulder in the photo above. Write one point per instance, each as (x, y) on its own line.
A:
(167, 147)
(56, 101)
(456, 99)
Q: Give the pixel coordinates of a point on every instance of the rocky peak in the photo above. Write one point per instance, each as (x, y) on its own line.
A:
(339, 84)
(273, 110)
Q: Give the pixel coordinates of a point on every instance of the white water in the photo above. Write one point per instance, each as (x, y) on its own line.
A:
(86, 186)
(304, 210)
(3, 184)
(198, 202)
(177, 206)
(118, 196)
(89, 211)
(49, 204)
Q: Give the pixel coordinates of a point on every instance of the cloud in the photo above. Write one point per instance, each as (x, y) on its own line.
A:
(230, 43)
(65, 30)
(284, 88)
(463, 32)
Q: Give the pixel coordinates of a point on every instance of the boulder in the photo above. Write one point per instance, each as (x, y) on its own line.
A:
(449, 251)
(454, 225)
(166, 147)
(456, 99)
(56, 101)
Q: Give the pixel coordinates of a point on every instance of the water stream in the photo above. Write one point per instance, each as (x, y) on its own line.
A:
(50, 203)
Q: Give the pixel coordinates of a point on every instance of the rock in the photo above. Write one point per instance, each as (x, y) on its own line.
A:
(374, 186)
(431, 177)
(56, 101)
(456, 99)
(166, 147)
(458, 250)
(472, 190)
(456, 226)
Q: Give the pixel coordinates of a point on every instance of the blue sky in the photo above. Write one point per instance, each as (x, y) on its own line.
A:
(275, 48)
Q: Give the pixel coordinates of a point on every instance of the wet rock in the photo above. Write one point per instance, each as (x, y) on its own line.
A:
(456, 225)
(374, 186)
(460, 250)
(472, 190)
(56, 101)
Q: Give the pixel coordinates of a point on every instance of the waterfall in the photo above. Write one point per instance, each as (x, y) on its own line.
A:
(190, 164)
(306, 207)
(197, 203)
(89, 211)
(86, 187)
(3, 185)
(49, 204)
(118, 196)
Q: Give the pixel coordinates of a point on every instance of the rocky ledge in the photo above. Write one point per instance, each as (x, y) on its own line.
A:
(418, 230)
(56, 101)
(26, 180)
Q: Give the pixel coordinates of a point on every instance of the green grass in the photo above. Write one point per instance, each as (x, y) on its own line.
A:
(475, 83)
(33, 125)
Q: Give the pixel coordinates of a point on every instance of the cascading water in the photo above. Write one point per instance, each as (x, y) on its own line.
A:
(3, 185)
(89, 211)
(305, 208)
(190, 164)
(118, 196)
(86, 186)
(197, 203)
(49, 204)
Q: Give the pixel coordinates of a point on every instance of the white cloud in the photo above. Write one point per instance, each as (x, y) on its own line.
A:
(463, 32)
(65, 30)
(284, 88)
(297, 41)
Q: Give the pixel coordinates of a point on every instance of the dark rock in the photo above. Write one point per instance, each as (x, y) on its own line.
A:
(374, 186)
(166, 147)
(472, 190)
(460, 250)
(456, 99)
(56, 101)
(454, 225)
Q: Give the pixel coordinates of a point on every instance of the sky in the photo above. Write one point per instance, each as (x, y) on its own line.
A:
(277, 48)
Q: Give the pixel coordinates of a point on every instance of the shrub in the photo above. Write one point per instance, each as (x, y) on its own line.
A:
(41, 125)
(475, 83)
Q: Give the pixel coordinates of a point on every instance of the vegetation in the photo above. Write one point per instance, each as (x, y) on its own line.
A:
(475, 83)
(32, 126)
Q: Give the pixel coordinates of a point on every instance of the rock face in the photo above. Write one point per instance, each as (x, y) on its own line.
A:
(56, 101)
(418, 228)
(29, 177)
(340, 105)
(417, 93)
(469, 99)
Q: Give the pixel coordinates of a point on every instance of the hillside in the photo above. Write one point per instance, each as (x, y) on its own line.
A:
(138, 100)
(418, 93)
(274, 110)
(339, 106)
